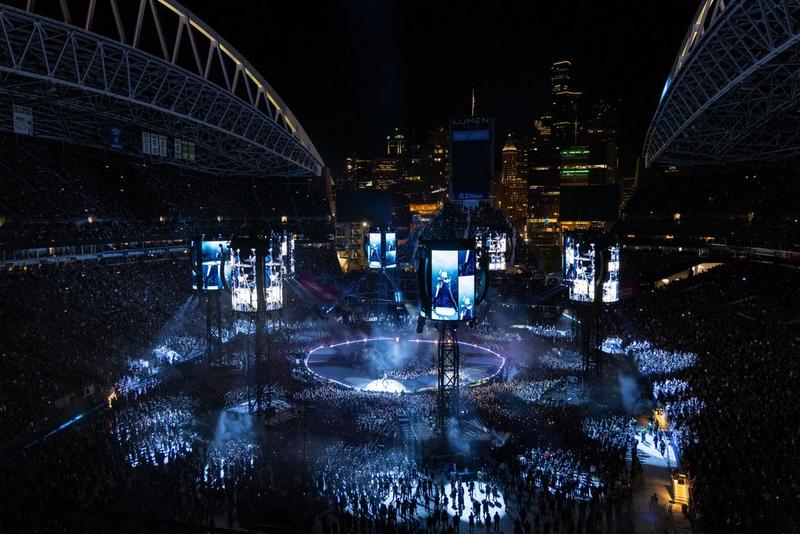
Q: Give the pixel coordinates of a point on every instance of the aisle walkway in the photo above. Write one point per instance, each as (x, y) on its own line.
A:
(658, 516)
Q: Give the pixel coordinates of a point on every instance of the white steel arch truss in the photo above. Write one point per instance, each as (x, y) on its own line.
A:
(734, 90)
(93, 69)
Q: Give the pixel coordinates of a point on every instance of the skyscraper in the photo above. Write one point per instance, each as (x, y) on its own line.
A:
(512, 197)
(560, 75)
(564, 110)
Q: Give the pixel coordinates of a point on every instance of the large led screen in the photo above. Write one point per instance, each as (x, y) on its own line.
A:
(452, 285)
(245, 285)
(611, 278)
(374, 250)
(391, 250)
(244, 297)
(471, 158)
(495, 248)
(273, 279)
(579, 269)
(211, 270)
(287, 253)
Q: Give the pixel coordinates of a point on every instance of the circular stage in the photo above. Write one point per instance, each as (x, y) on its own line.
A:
(396, 365)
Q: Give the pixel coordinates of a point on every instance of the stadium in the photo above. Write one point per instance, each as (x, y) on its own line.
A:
(508, 320)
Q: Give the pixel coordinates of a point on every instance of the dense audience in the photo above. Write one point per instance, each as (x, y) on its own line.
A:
(104, 376)
(63, 196)
(740, 326)
(653, 361)
(67, 327)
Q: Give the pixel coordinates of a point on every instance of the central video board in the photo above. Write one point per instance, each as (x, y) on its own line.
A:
(391, 250)
(374, 250)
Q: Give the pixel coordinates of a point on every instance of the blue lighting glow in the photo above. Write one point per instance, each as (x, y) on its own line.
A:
(664, 91)
(60, 427)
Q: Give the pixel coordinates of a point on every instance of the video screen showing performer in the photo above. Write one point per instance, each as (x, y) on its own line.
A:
(452, 285)
(374, 250)
(391, 250)
(273, 279)
(579, 269)
(243, 285)
(287, 252)
(611, 279)
(494, 245)
(215, 269)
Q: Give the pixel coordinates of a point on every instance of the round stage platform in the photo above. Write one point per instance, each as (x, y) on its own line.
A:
(395, 364)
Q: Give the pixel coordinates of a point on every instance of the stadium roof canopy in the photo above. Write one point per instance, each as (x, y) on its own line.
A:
(734, 91)
(111, 72)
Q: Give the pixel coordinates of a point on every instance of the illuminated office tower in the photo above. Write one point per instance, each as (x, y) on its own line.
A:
(565, 127)
(512, 197)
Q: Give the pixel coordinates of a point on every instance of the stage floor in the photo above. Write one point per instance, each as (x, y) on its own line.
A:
(396, 365)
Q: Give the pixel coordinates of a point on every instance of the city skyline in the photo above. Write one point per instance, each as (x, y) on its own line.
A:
(386, 65)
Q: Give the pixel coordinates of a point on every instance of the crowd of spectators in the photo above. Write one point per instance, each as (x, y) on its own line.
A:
(718, 350)
(151, 436)
(156, 431)
(58, 196)
(739, 319)
(70, 326)
(654, 361)
(612, 431)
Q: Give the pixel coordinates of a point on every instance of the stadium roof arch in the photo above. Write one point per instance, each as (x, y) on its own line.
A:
(83, 68)
(734, 90)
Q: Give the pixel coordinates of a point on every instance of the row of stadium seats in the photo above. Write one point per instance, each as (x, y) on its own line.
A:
(756, 207)
(56, 195)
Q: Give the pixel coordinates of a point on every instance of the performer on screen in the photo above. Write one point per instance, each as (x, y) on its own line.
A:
(467, 267)
(443, 297)
(374, 257)
(251, 269)
(213, 267)
(466, 312)
(268, 270)
(223, 281)
(569, 261)
(219, 261)
(235, 268)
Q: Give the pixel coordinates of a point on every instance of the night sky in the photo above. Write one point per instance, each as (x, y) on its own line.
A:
(353, 70)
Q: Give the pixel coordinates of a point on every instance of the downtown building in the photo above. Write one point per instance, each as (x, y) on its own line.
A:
(511, 192)
(574, 149)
